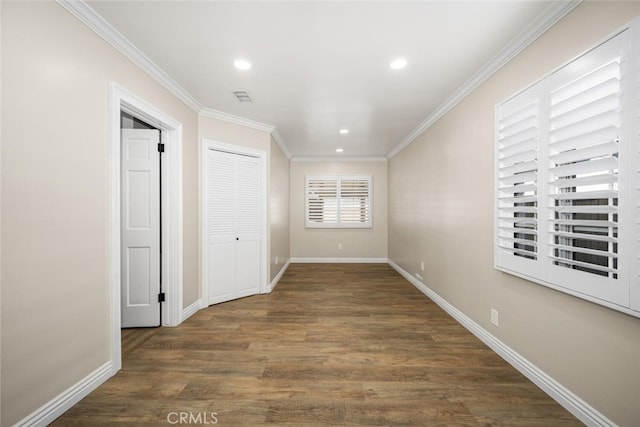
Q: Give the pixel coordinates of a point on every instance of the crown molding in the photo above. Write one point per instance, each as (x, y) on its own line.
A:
(242, 121)
(97, 23)
(338, 159)
(276, 136)
(539, 26)
(215, 114)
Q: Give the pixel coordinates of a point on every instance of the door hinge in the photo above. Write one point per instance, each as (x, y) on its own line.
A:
(161, 297)
(160, 147)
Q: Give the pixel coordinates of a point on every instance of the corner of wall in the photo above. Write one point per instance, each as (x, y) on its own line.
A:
(278, 276)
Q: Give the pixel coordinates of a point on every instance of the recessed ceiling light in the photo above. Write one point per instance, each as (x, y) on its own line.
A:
(344, 131)
(242, 64)
(398, 63)
(339, 150)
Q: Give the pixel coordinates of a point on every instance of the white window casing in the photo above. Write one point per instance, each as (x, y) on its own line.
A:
(567, 177)
(338, 201)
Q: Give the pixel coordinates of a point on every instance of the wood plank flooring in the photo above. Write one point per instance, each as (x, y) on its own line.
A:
(132, 338)
(334, 344)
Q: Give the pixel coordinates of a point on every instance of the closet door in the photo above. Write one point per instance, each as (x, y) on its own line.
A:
(233, 226)
(247, 226)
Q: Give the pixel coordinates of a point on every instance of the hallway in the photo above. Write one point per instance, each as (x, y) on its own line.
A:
(334, 344)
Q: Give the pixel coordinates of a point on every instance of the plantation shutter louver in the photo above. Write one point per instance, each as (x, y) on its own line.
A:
(322, 196)
(518, 132)
(354, 201)
(585, 108)
(338, 201)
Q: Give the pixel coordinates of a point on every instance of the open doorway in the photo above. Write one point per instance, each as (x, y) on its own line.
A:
(123, 101)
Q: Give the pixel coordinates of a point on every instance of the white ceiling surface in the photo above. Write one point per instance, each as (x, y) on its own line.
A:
(318, 67)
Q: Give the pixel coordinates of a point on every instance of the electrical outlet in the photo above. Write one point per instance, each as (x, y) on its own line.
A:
(339, 246)
(421, 265)
(494, 317)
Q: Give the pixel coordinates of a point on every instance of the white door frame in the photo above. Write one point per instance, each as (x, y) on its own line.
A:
(208, 144)
(171, 134)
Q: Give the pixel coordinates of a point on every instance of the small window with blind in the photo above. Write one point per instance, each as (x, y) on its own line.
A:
(567, 178)
(338, 201)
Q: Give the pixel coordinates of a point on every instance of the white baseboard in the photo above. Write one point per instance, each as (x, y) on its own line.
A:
(570, 401)
(276, 279)
(340, 260)
(191, 310)
(57, 406)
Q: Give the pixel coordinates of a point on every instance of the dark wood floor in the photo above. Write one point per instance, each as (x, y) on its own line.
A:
(334, 344)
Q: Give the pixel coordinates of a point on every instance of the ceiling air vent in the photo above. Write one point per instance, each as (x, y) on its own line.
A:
(242, 96)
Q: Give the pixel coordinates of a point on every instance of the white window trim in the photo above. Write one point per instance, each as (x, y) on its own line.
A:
(339, 223)
(628, 299)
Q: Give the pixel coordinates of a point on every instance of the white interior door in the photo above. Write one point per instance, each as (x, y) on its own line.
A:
(140, 223)
(233, 226)
(221, 224)
(248, 226)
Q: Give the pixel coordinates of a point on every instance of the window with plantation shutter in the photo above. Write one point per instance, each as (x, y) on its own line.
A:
(338, 201)
(518, 128)
(565, 153)
(322, 201)
(585, 133)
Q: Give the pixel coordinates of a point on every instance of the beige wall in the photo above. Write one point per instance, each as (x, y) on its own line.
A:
(323, 243)
(278, 210)
(55, 189)
(441, 212)
(231, 133)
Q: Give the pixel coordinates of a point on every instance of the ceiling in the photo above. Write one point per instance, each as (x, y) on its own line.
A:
(318, 67)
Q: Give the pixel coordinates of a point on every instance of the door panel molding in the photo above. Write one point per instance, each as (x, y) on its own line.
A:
(206, 145)
(172, 258)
